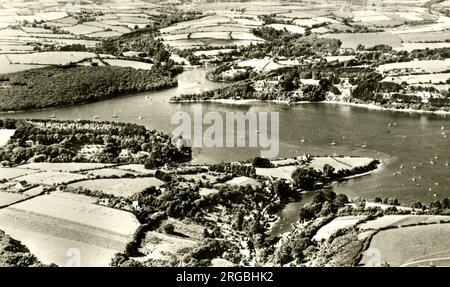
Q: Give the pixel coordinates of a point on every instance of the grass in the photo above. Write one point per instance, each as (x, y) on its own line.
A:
(352, 40)
(50, 177)
(289, 28)
(5, 135)
(129, 64)
(159, 246)
(108, 172)
(124, 187)
(401, 220)
(243, 181)
(8, 173)
(409, 244)
(50, 58)
(7, 198)
(277, 172)
(51, 225)
(429, 66)
(338, 223)
(140, 168)
(64, 166)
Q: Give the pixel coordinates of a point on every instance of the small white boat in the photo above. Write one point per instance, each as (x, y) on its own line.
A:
(114, 116)
(431, 162)
(446, 163)
(333, 143)
(442, 128)
(302, 140)
(140, 117)
(96, 117)
(364, 145)
(402, 166)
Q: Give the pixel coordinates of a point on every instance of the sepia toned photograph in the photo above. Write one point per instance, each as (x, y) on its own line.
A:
(221, 133)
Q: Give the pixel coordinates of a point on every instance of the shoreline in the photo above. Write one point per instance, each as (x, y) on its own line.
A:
(369, 106)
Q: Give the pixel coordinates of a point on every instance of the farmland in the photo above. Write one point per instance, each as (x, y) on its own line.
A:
(430, 66)
(123, 187)
(5, 134)
(426, 245)
(51, 225)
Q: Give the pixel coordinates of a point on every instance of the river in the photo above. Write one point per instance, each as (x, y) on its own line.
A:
(406, 148)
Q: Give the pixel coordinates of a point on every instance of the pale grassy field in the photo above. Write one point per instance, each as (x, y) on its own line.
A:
(351, 40)
(265, 64)
(338, 223)
(421, 46)
(140, 168)
(64, 166)
(6, 67)
(73, 208)
(211, 35)
(429, 66)
(277, 172)
(289, 28)
(339, 163)
(245, 36)
(123, 187)
(82, 29)
(53, 226)
(104, 34)
(107, 172)
(419, 79)
(129, 64)
(51, 177)
(399, 220)
(186, 227)
(403, 246)
(243, 181)
(8, 173)
(50, 58)
(207, 191)
(5, 135)
(7, 198)
(161, 246)
(424, 36)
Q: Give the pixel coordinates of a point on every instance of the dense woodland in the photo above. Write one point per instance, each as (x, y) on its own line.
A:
(61, 141)
(58, 86)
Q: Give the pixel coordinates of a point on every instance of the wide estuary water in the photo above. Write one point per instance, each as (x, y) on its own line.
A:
(413, 149)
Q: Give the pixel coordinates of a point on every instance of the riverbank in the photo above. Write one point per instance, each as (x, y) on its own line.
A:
(369, 106)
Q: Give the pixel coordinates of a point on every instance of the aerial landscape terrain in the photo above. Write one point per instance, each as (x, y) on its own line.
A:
(94, 173)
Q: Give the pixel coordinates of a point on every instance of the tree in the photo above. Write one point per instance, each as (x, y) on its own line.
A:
(417, 205)
(341, 200)
(306, 212)
(305, 178)
(261, 162)
(328, 171)
(238, 220)
(169, 228)
(282, 188)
